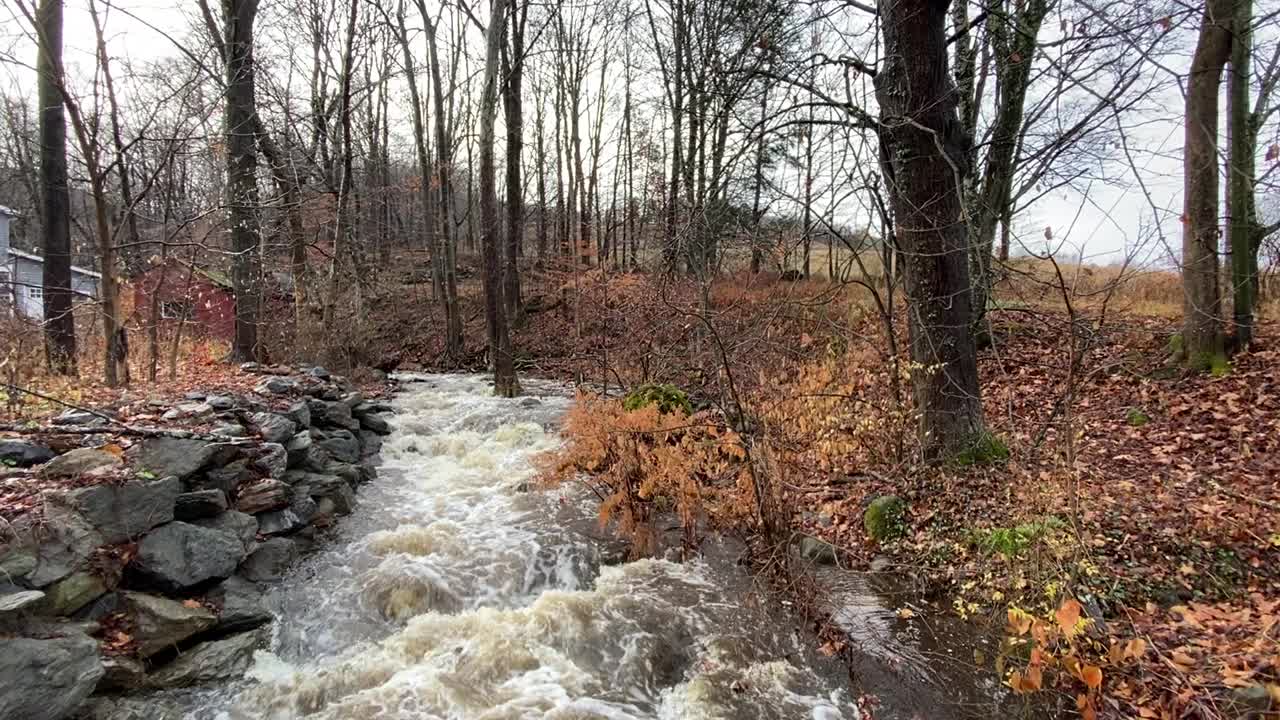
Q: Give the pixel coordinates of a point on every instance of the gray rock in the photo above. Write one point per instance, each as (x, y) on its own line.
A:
(220, 660)
(276, 386)
(241, 526)
(20, 453)
(319, 372)
(129, 708)
(195, 410)
(273, 459)
(352, 399)
(78, 589)
(341, 446)
(220, 402)
(316, 460)
(200, 504)
(81, 461)
(300, 414)
(274, 428)
(179, 556)
(241, 606)
(19, 600)
(228, 477)
(79, 417)
(181, 457)
(193, 396)
(339, 490)
(332, 413)
(279, 522)
(61, 546)
(375, 424)
(368, 473)
(348, 472)
(263, 495)
(270, 560)
(122, 674)
(530, 402)
(250, 367)
(121, 512)
(46, 679)
(231, 430)
(817, 551)
(298, 447)
(370, 443)
(160, 623)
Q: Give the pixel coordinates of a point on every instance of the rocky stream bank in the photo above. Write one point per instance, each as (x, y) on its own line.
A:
(134, 553)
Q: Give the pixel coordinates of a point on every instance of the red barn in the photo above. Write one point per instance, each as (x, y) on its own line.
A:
(187, 293)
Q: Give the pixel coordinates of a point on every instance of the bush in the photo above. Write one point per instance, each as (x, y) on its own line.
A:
(986, 449)
(885, 518)
(668, 399)
(1012, 541)
(1136, 417)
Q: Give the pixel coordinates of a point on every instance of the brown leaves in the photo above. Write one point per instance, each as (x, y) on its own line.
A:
(1068, 616)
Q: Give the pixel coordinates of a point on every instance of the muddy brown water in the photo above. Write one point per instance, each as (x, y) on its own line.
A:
(452, 594)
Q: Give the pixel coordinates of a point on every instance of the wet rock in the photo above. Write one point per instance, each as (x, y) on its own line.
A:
(241, 526)
(46, 679)
(530, 402)
(273, 459)
(79, 417)
(179, 556)
(316, 460)
(817, 551)
(375, 424)
(240, 605)
(81, 461)
(12, 602)
(180, 457)
(20, 453)
(341, 446)
(200, 504)
(370, 443)
(352, 399)
(368, 473)
(263, 495)
(270, 560)
(274, 428)
(129, 708)
(300, 414)
(291, 519)
(349, 473)
(122, 673)
(332, 413)
(276, 386)
(160, 623)
(228, 477)
(121, 512)
(220, 660)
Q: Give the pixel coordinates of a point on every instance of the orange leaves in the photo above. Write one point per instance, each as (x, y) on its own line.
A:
(1068, 616)
(1025, 683)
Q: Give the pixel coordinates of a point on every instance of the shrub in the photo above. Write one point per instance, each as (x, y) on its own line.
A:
(885, 518)
(986, 449)
(1136, 417)
(668, 399)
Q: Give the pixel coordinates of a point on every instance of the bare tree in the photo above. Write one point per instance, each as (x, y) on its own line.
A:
(242, 173)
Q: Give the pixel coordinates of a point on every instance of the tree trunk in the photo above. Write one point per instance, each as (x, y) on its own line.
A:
(1240, 179)
(1202, 299)
(512, 104)
(671, 246)
(923, 151)
(55, 205)
(242, 178)
(504, 372)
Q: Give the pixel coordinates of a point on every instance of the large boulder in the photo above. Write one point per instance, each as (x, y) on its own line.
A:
(46, 679)
(121, 512)
(241, 526)
(81, 461)
(180, 457)
(270, 560)
(370, 443)
(179, 556)
(220, 660)
(160, 623)
(240, 605)
(20, 453)
(200, 504)
(375, 424)
(60, 546)
(341, 445)
(263, 495)
(332, 413)
(274, 428)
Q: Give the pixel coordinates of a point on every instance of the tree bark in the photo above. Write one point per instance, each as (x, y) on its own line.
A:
(1240, 190)
(512, 103)
(1202, 299)
(242, 175)
(923, 154)
(55, 205)
(505, 383)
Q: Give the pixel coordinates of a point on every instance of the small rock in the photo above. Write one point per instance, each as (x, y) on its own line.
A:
(240, 603)
(231, 430)
(188, 410)
(274, 428)
(273, 459)
(46, 679)
(279, 522)
(20, 453)
(341, 445)
(180, 457)
(77, 590)
(375, 424)
(270, 560)
(122, 673)
(885, 518)
(241, 526)
(79, 417)
(368, 473)
(276, 386)
(370, 443)
(817, 551)
(298, 448)
(179, 556)
(193, 396)
(20, 600)
(530, 402)
(208, 662)
(250, 367)
(318, 372)
(200, 504)
(228, 477)
(160, 623)
(121, 512)
(263, 495)
(300, 414)
(880, 564)
(81, 461)
(220, 402)
(352, 399)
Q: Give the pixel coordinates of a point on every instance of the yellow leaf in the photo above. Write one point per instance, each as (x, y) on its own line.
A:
(906, 613)
(1092, 676)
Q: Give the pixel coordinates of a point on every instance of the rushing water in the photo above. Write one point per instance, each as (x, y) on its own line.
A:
(453, 593)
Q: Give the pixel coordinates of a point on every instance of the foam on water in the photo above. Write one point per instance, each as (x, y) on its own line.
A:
(453, 595)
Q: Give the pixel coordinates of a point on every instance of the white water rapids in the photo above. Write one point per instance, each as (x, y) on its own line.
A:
(451, 593)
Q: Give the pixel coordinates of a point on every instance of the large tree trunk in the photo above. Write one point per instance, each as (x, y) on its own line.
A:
(504, 372)
(512, 103)
(671, 244)
(55, 205)
(242, 174)
(1202, 298)
(1240, 231)
(923, 154)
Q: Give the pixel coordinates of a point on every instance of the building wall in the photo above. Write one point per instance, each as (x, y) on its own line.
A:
(211, 308)
(27, 278)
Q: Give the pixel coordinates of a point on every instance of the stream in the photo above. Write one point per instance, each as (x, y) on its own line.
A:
(454, 592)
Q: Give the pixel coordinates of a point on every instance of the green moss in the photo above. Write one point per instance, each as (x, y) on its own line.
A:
(668, 398)
(1215, 363)
(985, 449)
(1176, 344)
(1136, 417)
(1012, 541)
(885, 518)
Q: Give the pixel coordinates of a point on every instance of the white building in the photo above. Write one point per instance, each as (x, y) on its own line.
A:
(22, 276)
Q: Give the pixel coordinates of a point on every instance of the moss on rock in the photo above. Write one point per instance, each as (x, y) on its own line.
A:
(885, 518)
(986, 449)
(668, 398)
